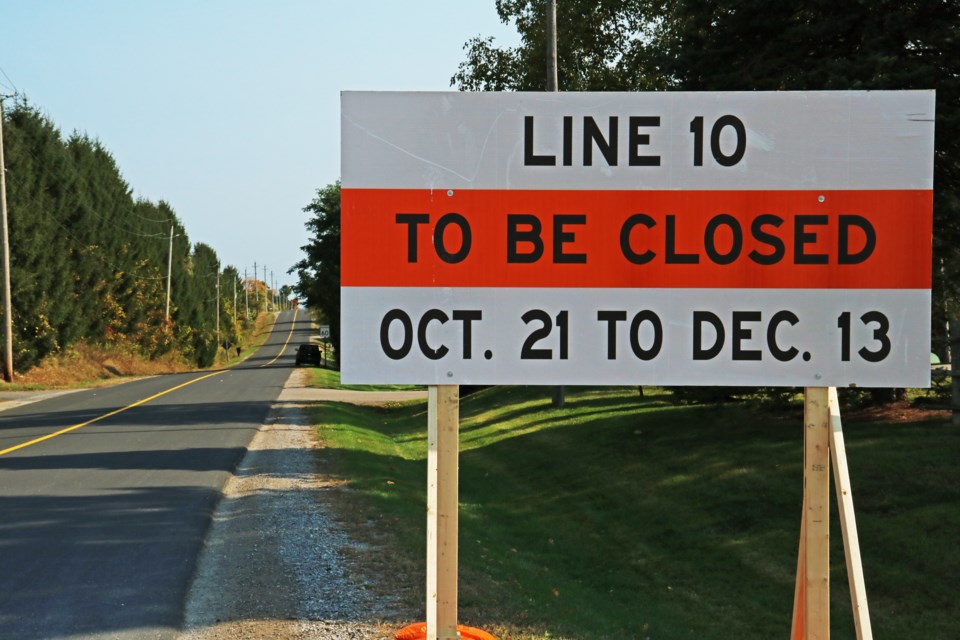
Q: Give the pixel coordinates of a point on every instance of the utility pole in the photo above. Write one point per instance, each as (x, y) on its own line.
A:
(552, 45)
(266, 291)
(7, 307)
(234, 297)
(169, 271)
(256, 289)
(218, 306)
(559, 392)
(246, 296)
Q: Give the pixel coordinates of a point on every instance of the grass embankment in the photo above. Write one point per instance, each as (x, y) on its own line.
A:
(623, 517)
(330, 379)
(85, 365)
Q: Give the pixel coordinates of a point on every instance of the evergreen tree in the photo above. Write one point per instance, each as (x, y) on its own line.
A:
(88, 262)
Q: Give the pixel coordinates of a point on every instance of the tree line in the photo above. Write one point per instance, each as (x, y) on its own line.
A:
(88, 261)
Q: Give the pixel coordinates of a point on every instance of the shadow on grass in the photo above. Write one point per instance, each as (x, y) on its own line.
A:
(622, 516)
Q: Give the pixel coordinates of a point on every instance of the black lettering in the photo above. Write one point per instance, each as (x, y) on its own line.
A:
(654, 350)
(801, 238)
(530, 159)
(870, 242)
(710, 239)
(741, 333)
(516, 236)
(779, 318)
(756, 229)
(611, 318)
(467, 318)
(625, 231)
(636, 139)
(412, 220)
(404, 349)
(438, 238)
(607, 146)
(562, 237)
(672, 256)
(567, 141)
(699, 318)
(428, 317)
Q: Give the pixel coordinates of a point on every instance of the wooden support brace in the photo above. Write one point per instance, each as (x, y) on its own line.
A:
(848, 523)
(799, 605)
(443, 450)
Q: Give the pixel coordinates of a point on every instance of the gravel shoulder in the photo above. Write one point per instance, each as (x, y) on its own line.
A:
(276, 564)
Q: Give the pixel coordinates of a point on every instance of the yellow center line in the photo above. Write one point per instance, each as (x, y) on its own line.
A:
(107, 415)
(138, 402)
(286, 342)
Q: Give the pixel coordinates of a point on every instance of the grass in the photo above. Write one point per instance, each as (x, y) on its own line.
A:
(84, 365)
(623, 517)
(330, 379)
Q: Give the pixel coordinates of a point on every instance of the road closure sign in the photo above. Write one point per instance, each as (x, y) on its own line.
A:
(749, 239)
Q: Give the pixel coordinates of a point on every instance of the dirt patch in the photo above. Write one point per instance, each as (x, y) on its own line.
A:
(900, 411)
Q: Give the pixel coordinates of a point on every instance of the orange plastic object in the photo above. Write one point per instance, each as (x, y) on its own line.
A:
(418, 631)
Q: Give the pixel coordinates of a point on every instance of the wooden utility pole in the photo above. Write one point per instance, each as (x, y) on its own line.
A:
(552, 45)
(218, 306)
(559, 392)
(256, 289)
(169, 271)
(7, 306)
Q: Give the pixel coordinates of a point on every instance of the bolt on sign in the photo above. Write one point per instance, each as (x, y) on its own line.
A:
(751, 239)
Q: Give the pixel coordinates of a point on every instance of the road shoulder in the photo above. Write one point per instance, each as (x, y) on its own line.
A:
(276, 563)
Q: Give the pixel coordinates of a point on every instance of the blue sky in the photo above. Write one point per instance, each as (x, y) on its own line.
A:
(229, 110)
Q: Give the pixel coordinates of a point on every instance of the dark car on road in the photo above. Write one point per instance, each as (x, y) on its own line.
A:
(308, 354)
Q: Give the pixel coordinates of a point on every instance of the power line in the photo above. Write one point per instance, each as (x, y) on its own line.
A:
(12, 85)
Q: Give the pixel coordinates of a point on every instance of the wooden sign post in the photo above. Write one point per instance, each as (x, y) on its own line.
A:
(823, 440)
(816, 487)
(443, 451)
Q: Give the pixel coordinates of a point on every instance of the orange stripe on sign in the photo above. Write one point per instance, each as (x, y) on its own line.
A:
(735, 239)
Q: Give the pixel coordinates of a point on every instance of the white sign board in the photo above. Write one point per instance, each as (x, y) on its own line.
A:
(751, 239)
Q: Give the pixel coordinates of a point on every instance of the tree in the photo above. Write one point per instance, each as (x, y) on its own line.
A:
(710, 45)
(319, 272)
(747, 45)
(87, 261)
(600, 47)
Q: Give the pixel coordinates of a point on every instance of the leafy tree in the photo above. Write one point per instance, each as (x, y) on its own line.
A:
(319, 272)
(600, 47)
(745, 45)
(864, 44)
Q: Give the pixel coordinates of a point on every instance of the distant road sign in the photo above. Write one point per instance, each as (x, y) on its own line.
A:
(324, 331)
(637, 238)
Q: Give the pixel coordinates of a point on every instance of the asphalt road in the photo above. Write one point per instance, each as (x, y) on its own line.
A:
(101, 525)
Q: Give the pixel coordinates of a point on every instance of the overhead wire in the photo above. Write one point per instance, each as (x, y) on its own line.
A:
(13, 85)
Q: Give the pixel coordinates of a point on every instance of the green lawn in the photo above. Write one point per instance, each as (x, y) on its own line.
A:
(330, 379)
(623, 516)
